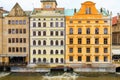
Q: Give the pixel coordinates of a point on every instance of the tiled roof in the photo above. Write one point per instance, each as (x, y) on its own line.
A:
(114, 20)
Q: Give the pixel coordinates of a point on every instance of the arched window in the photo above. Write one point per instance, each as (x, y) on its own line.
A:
(56, 52)
(56, 33)
(44, 33)
(61, 52)
(56, 42)
(39, 60)
(105, 31)
(96, 31)
(61, 60)
(34, 33)
(88, 31)
(39, 51)
(34, 42)
(51, 60)
(39, 33)
(71, 31)
(34, 60)
(39, 42)
(61, 42)
(56, 60)
(44, 42)
(51, 42)
(44, 51)
(44, 60)
(51, 52)
(34, 51)
(79, 31)
(88, 10)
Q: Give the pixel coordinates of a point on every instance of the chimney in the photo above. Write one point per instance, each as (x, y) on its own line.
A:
(75, 10)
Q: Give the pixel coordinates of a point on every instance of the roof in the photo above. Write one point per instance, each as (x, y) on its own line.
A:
(114, 20)
(70, 12)
(49, 8)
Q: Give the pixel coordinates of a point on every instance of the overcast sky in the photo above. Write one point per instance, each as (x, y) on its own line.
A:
(112, 5)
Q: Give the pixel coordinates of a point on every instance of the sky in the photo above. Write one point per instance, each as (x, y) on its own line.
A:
(111, 5)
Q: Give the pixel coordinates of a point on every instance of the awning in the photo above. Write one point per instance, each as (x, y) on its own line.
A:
(116, 51)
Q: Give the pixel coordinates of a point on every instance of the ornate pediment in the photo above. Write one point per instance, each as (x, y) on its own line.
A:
(17, 11)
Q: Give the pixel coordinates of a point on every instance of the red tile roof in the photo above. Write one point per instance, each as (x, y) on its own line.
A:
(114, 20)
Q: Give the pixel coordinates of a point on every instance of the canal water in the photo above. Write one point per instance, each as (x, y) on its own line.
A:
(39, 76)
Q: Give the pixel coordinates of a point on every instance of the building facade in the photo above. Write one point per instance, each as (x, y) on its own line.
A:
(47, 30)
(15, 37)
(88, 38)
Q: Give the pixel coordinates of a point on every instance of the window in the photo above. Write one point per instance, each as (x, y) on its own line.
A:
(56, 52)
(88, 41)
(71, 41)
(39, 24)
(9, 49)
(39, 33)
(44, 42)
(88, 31)
(9, 21)
(24, 49)
(61, 33)
(79, 41)
(61, 42)
(51, 43)
(88, 21)
(56, 42)
(13, 49)
(96, 40)
(34, 24)
(34, 60)
(44, 51)
(88, 10)
(96, 31)
(56, 33)
(39, 42)
(51, 60)
(70, 58)
(51, 52)
(96, 58)
(39, 60)
(79, 58)
(34, 42)
(16, 31)
(71, 21)
(20, 49)
(51, 33)
(44, 24)
(13, 31)
(88, 50)
(13, 22)
(17, 40)
(70, 50)
(17, 50)
(61, 60)
(24, 22)
(13, 40)
(51, 24)
(79, 21)
(79, 30)
(9, 31)
(24, 31)
(44, 60)
(105, 31)
(44, 33)
(56, 60)
(71, 30)
(34, 33)
(87, 58)
(105, 41)
(79, 50)
(9, 40)
(24, 40)
(39, 51)
(96, 21)
(20, 21)
(21, 40)
(61, 51)
(61, 24)
(34, 51)
(96, 50)
(105, 21)
(105, 50)
(105, 58)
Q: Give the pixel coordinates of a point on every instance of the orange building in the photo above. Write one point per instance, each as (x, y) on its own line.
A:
(88, 37)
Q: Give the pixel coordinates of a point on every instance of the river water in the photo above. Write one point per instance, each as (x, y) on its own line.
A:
(39, 76)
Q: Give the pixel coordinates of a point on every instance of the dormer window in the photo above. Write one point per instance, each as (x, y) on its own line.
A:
(88, 10)
(48, 6)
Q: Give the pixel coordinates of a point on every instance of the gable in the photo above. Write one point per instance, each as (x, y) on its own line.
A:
(17, 11)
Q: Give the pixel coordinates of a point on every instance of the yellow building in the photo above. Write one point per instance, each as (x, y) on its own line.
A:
(15, 37)
(88, 37)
